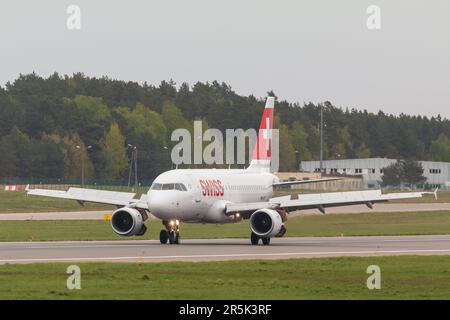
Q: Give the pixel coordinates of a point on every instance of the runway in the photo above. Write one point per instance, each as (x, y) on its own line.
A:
(220, 249)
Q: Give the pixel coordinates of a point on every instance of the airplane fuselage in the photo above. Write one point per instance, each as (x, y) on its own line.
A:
(200, 195)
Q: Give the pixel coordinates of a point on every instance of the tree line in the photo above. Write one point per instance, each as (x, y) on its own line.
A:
(50, 126)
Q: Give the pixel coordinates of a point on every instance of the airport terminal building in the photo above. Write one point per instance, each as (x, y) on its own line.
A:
(371, 170)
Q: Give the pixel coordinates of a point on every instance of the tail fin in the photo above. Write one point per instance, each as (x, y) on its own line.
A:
(263, 147)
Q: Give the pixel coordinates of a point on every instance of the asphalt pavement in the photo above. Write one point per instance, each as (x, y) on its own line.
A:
(221, 249)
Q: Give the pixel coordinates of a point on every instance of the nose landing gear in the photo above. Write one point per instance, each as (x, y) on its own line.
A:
(164, 236)
(171, 233)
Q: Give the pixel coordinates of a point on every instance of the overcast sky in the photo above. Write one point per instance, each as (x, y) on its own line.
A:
(304, 50)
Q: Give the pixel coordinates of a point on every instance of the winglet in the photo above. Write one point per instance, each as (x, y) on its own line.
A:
(435, 193)
(27, 188)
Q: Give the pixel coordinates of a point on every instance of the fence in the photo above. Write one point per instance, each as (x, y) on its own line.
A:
(61, 184)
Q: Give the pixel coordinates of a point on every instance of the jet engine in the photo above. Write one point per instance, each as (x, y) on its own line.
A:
(129, 222)
(267, 223)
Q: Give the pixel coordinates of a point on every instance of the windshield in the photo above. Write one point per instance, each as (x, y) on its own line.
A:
(168, 186)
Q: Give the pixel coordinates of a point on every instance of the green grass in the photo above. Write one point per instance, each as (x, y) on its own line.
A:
(406, 223)
(402, 277)
(19, 202)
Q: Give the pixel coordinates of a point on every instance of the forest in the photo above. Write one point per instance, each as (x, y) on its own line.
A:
(51, 126)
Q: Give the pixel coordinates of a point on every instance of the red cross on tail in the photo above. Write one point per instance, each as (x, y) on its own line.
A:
(263, 147)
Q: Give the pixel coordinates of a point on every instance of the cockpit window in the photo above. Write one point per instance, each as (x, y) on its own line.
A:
(156, 186)
(168, 186)
(180, 187)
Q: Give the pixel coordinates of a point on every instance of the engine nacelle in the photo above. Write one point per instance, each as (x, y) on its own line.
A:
(128, 222)
(216, 213)
(267, 223)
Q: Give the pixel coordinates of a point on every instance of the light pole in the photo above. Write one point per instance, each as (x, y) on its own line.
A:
(166, 149)
(133, 159)
(82, 163)
(321, 137)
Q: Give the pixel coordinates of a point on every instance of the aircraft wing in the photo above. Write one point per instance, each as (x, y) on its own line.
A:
(93, 195)
(290, 183)
(321, 201)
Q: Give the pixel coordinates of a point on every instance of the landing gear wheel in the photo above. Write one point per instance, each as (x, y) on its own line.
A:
(172, 232)
(163, 236)
(266, 241)
(177, 239)
(254, 239)
(172, 237)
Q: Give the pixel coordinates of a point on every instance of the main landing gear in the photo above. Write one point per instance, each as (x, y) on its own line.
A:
(171, 233)
(255, 240)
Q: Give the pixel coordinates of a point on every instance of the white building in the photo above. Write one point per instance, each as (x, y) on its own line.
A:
(371, 170)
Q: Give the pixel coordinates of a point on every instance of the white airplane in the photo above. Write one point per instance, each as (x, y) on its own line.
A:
(220, 196)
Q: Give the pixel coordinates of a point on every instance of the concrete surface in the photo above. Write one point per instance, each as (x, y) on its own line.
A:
(221, 249)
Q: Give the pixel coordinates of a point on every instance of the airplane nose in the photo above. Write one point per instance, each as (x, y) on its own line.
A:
(153, 202)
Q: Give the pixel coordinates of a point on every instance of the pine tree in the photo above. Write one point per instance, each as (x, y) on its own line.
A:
(114, 154)
(440, 148)
(412, 172)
